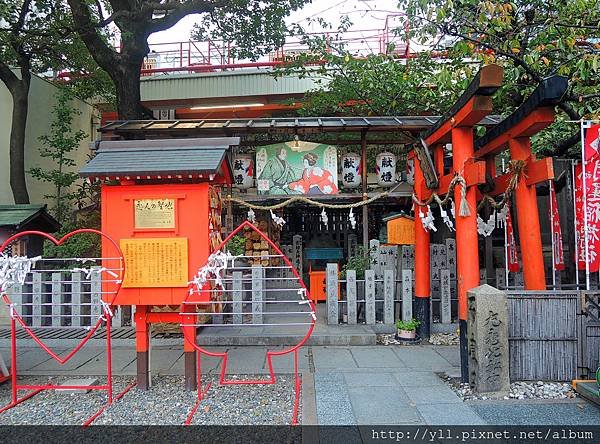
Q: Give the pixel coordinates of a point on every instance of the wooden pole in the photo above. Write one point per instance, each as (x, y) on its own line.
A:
(467, 249)
(422, 258)
(365, 210)
(490, 271)
(530, 238)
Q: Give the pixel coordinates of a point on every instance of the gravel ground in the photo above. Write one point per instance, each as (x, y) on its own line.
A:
(249, 404)
(435, 339)
(518, 390)
(55, 407)
(165, 403)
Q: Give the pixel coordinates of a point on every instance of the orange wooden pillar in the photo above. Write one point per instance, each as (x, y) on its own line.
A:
(422, 258)
(467, 248)
(530, 238)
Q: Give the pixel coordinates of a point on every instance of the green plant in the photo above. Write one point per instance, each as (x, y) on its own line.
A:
(407, 325)
(237, 245)
(360, 262)
(58, 146)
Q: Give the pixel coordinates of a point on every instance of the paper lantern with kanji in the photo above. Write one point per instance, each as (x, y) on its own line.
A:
(243, 171)
(385, 169)
(351, 170)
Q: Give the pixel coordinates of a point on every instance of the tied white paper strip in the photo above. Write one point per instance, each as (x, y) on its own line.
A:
(251, 216)
(352, 219)
(427, 220)
(324, 218)
(14, 270)
(216, 264)
(486, 228)
(279, 221)
(89, 271)
(501, 218)
(446, 219)
(106, 310)
(452, 209)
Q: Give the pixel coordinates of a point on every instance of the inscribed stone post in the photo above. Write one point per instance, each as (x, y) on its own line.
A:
(351, 296)
(445, 303)
(451, 261)
(407, 295)
(237, 298)
(257, 294)
(297, 248)
(388, 296)
(352, 245)
(487, 331)
(370, 296)
(332, 293)
(500, 278)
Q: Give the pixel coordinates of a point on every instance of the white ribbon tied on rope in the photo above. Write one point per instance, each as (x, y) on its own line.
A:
(446, 219)
(279, 221)
(251, 216)
(352, 219)
(486, 228)
(427, 219)
(325, 218)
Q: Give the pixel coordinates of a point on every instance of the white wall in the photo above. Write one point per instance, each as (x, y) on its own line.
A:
(41, 101)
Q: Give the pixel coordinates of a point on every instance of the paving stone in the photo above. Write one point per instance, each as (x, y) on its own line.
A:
(77, 360)
(376, 357)
(432, 395)
(506, 413)
(450, 353)
(370, 379)
(449, 414)
(421, 357)
(382, 405)
(332, 357)
(333, 402)
(285, 363)
(80, 382)
(418, 379)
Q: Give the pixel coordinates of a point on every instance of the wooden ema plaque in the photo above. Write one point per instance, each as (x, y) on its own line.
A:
(155, 262)
(401, 231)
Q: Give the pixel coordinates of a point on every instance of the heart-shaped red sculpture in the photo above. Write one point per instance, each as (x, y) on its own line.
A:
(110, 287)
(200, 296)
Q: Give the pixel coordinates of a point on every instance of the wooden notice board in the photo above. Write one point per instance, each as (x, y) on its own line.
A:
(155, 262)
(401, 231)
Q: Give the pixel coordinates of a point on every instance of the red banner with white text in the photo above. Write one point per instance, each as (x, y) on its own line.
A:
(587, 203)
(557, 245)
(512, 257)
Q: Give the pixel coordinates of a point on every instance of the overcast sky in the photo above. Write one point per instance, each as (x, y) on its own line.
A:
(364, 14)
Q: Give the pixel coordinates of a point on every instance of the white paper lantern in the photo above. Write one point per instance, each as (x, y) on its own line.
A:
(243, 171)
(351, 170)
(386, 169)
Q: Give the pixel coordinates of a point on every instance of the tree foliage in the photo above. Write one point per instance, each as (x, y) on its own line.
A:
(58, 146)
(532, 39)
(251, 25)
(451, 40)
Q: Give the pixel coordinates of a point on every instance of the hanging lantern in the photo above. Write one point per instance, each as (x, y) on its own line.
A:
(385, 169)
(351, 170)
(243, 171)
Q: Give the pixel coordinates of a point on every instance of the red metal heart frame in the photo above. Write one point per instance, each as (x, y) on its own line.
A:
(270, 354)
(92, 329)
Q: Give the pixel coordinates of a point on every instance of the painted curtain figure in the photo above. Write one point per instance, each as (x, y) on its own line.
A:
(314, 180)
(280, 173)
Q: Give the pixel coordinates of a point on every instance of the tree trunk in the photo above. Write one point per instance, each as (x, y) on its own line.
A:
(18, 184)
(127, 82)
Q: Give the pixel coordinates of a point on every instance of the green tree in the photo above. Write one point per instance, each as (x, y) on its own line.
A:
(58, 146)
(532, 39)
(35, 37)
(254, 26)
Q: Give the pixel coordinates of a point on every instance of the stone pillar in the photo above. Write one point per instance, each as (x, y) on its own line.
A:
(488, 341)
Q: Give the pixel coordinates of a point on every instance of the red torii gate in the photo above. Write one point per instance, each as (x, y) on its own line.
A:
(474, 161)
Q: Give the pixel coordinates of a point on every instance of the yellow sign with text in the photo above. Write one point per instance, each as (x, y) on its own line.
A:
(157, 262)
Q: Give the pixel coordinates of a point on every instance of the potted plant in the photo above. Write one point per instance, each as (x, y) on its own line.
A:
(407, 329)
